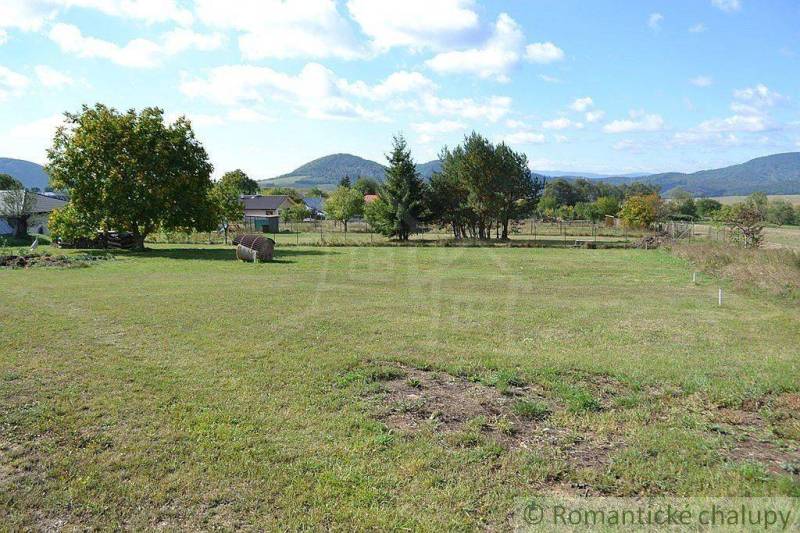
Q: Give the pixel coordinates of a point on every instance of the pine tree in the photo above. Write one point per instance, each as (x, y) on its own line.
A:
(403, 192)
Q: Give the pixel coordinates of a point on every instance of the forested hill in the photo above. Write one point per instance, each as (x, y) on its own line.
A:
(28, 173)
(326, 172)
(773, 174)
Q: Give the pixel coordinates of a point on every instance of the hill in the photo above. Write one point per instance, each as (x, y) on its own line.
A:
(773, 174)
(326, 172)
(30, 174)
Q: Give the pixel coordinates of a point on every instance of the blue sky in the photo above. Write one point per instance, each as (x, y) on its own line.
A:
(592, 85)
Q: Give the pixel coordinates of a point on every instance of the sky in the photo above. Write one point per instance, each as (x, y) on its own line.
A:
(606, 86)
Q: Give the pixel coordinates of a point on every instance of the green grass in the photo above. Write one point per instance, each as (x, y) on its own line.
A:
(178, 388)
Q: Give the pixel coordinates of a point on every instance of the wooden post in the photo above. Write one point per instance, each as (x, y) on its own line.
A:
(720, 296)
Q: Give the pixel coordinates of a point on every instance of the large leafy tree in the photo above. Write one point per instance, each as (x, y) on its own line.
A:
(402, 196)
(517, 188)
(240, 181)
(17, 206)
(132, 171)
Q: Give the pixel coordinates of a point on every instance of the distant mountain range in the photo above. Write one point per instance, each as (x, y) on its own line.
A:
(774, 174)
(326, 172)
(29, 174)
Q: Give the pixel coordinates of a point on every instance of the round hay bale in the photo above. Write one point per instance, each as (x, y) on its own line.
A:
(252, 247)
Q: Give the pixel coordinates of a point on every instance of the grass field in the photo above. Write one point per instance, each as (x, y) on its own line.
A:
(792, 198)
(419, 388)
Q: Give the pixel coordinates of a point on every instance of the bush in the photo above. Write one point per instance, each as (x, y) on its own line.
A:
(781, 212)
(641, 211)
(68, 225)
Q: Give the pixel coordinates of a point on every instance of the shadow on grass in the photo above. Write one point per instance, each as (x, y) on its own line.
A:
(282, 255)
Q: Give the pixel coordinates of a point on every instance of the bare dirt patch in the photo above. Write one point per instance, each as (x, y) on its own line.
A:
(763, 432)
(464, 412)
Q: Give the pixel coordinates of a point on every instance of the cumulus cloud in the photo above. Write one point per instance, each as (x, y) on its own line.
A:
(3, 37)
(582, 104)
(11, 83)
(595, 116)
(561, 124)
(138, 53)
(638, 122)
(315, 91)
(284, 29)
(416, 24)
(698, 28)
(493, 60)
(543, 53)
(492, 110)
(727, 5)
(52, 78)
(402, 82)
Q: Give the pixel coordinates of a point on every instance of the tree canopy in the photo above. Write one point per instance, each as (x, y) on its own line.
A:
(131, 171)
(345, 203)
(9, 183)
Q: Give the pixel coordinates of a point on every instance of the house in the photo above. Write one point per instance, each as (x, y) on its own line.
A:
(315, 205)
(40, 209)
(264, 212)
(369, 198)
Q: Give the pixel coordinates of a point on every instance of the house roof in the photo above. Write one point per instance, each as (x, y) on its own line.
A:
(259, 202)
(44, 203)
(314, 202)
(369, 198)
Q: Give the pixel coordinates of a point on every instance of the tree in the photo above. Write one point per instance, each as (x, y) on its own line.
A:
(240, 181)
(345, 182)
(344, 204)
(317, 192)
(447, 202)
(296, 213)
(402, 193)
(367, 186)
(780, 212)
(760, 202)
(17, 206)
(706, 207)
(131, 171)
(226, 197)
(9, 183)
(641, 211)
(517, 189)
(746, 218)
(607, 206)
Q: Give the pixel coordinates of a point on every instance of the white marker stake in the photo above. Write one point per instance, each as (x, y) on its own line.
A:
(694, 277)
(720, 297)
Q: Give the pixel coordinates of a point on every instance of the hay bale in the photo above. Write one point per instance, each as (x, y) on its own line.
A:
(254, 247)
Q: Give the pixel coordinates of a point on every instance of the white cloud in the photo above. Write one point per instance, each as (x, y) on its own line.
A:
(315, 91)
(31, 15)
(11, 83)
(283, 29)
(416, 24)
(30, 140)
(638, 122)
(655, 20)
(582, 104)
(560, 138)
(595, 116)
(52, 78)
(491, 110)
(494, 60)
(443, 126)
(561, 124)
(736, 123)
(3, 37)
(727, 5)
(182, 39)
(751, 115)
(139, 53)
(758, 97)
(543, 53)
(698, 28)
(702, 81)
(402, 82)
(524, 137)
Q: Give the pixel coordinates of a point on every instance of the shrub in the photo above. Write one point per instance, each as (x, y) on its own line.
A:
(641, 211)
(69, 225)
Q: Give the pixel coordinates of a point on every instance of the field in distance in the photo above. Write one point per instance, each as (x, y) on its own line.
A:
(794, 199)
(395, 388)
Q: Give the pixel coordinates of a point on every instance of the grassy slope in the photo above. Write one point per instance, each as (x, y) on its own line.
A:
(792, 198)
(186, 388)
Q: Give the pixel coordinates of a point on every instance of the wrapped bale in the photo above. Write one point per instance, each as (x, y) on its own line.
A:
(254, 247)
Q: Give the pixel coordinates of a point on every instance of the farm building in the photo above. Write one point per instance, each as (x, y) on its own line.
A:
(40, 208)
(263, 212)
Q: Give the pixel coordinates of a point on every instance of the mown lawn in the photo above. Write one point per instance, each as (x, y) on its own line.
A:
(180, 388)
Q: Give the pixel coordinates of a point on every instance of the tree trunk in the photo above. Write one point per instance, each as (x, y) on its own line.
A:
(20, 227)
(138, 240)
